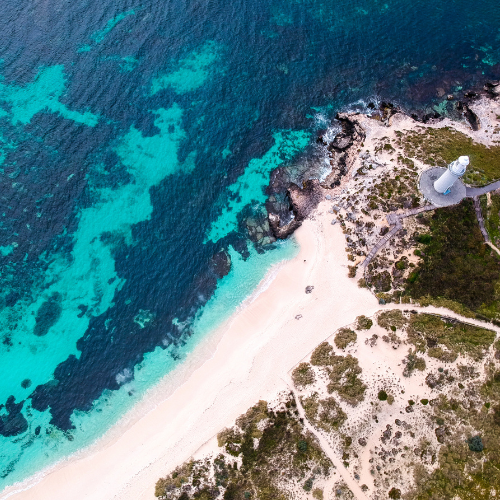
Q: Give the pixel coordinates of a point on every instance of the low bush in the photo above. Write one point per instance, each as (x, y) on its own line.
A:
(382, 395)
(363, 323)
(413, 362)
(303, 375)
(321, 356)
(394, 493)
(393, 318)
(344, 337)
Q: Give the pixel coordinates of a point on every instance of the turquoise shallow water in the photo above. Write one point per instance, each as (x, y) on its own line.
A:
(137, 141)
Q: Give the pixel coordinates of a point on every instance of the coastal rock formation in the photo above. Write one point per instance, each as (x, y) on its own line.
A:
(343, 149)
(302, 203)
(492, 89)
(470, 116)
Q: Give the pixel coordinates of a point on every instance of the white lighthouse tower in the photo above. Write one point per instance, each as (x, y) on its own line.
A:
(454, 171)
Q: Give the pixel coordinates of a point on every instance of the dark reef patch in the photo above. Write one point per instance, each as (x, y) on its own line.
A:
(47, 315)
(13, 423)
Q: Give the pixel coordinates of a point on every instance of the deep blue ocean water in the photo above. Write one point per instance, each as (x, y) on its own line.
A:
(136, 138)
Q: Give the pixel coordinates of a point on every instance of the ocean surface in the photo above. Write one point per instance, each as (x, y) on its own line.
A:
(137, 140)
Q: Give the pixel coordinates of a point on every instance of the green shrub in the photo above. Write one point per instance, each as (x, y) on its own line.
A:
(321, 356)
(401, 264)
(308, 484)
(344, 379)
(413, 362)
(303, 375)
(344, 337)
(475, 444)
(424, 238)
(382, 395)
(302, 445)
(393, 318)
(394, 493)
(363, 323)
(318, 494)
(324, 413)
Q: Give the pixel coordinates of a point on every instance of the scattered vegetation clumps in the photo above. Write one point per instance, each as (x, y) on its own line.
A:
(393, 318)
(392, 192)
(381, 281)
(363, 323)
(456, 265)
(413, 362)
(344, 337)
(326, 414)
(343, 372)
(468, 469)
(283, 444)
(303, 375)
(441, 146)
(433, 332)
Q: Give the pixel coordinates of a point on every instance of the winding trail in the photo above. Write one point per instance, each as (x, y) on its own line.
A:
(395, 219)
(337, 462)
(472, 192)
(480, 219)
(325, 446)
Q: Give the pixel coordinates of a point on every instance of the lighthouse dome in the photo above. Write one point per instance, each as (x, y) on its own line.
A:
(459, 166)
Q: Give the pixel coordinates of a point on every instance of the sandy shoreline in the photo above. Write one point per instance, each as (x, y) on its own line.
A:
(254, 351)
(245, 360)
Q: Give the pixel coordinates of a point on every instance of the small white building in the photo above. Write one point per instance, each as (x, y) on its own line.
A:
(454, 171)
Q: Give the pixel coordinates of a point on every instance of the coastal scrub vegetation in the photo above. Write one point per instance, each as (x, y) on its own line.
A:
(323, 413)
(363, 323)
(441, 146)
(303, 375)
(344, 337)
(413, 362)
(399, 191)
(468, 466)
(392, 320)
(263, 456)
(343, 373)
(427, 331)
(456, 265)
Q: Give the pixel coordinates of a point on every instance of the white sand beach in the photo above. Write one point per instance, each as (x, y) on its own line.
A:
(255, 350)
(245, 360)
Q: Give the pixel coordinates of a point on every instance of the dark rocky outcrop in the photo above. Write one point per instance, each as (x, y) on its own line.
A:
(470, 116)
(302, 202)
(492, 89)
(14, 422)
(424, 117)
(343, 149)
